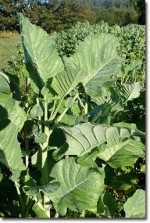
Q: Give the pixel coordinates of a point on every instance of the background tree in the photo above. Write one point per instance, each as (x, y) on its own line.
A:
(58, 15)
(8, 10)
(140, 6)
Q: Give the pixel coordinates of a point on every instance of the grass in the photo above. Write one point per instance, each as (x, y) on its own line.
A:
(8, 41)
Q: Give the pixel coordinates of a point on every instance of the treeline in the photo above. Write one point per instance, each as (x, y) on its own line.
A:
(108, 3)
(58, 15)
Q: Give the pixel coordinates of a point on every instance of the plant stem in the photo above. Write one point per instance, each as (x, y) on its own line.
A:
(81, 103)
(39, 117)
(57, 109)
(26, 148)
(53, 109)
(86, 105)
(44, 168)
(47, 131)
(28, 207)
(82, 214)
(66, 109)
(27, 80)
(45, 109)
(56, 215)
(41, 206)
(20, 198)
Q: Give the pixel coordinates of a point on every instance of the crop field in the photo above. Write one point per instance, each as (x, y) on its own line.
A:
(72, 123)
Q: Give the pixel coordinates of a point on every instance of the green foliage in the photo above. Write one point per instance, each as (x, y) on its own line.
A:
(4, 83)
(120, 154)
(11, 122)
(76, 182)
(66, 81)
(67, 149)
(61, 15)
(118, 16)
(83, 138)
(131, 46)
(140, 6)
(35, 56)
(104, 64)
(132, 207)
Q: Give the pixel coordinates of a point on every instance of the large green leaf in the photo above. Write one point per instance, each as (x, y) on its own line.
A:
(135, 206)
(111, 101)
(97, 56)
(83, 138)
(80, 187)
(42, 59)
(130, 91)
(30, 187)
(121, 154)
(4, 83)
(12, 118)
(102, 96)
(65, 82)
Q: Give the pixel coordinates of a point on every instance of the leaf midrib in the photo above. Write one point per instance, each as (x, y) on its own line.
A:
(129, 97)
(31, 45)
(86, 82)
(74, 187)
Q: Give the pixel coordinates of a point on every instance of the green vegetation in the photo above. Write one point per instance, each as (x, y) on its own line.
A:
(72, 123)
(61, 15)
(8, 41)
(131, 46)
(140, 6)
